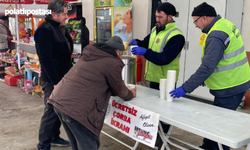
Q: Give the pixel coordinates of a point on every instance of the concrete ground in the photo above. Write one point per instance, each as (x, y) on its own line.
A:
(20, 116)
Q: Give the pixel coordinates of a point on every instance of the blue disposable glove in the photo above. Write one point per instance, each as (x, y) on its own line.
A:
(177, 93)
(138, 51)
(133, 42)
(202, 84)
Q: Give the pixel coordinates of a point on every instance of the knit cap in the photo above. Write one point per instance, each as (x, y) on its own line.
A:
(204, 10)
(167, 8)
(116, 42)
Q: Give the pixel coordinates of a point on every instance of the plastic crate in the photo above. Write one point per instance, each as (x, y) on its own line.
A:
(12, 80)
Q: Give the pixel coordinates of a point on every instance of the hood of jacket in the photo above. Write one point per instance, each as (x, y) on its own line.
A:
(98, 51)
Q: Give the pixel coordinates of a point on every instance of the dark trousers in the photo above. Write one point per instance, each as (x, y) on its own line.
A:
(80, 137)
(232, 103)
(50, 123)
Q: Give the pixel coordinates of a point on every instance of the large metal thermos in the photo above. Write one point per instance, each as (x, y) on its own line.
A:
(129, 70)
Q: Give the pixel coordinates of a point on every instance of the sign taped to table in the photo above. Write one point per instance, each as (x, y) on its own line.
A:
(135, 122)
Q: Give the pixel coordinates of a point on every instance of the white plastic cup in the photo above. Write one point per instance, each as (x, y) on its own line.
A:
(130, 86)
(132, 46)
(14, 38)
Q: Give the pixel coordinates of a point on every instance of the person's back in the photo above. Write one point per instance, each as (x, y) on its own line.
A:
(86, 83)
(84, 34)
(83, 94)
(3, 34)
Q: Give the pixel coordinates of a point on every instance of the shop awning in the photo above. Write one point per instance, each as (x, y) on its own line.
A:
(18, 1)
(47, 1)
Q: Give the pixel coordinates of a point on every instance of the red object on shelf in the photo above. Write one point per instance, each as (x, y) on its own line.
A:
(12, 80)
(138, 69)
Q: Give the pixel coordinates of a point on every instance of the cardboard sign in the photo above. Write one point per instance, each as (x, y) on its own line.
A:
(135, 122)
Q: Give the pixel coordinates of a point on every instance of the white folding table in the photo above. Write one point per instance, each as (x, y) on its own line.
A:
(224, 126)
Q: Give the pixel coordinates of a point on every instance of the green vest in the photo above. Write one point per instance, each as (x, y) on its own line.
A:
(233, 69)
(153, 72)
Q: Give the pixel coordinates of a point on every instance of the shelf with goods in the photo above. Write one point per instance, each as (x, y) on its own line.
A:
(24, 43)
(8, 64)
(74, 30)
(28, 77)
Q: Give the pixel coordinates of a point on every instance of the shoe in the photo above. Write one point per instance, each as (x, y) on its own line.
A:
(43, 149)
(60, 142)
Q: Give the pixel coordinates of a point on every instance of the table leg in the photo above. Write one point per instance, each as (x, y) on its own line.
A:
(166, 140)
(135, 146)
(248, 147)
(132, 148)
(220, 146)
(164, 137)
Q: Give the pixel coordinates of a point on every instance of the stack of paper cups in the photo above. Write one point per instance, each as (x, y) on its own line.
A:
(170, 84)
(163, 84)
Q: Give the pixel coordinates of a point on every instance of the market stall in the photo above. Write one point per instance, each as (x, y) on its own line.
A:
(21, 64)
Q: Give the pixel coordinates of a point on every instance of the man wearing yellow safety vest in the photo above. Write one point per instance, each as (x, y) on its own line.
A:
(224, 69)
(161, 48)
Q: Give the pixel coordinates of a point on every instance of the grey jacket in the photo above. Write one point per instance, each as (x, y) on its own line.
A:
(214, 51)
(3, 37)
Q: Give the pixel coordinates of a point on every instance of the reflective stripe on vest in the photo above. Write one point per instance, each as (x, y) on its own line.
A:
(157, 42)
(233, 68)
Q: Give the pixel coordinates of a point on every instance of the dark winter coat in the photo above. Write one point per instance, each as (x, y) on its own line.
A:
(84, 92)
(84, 34)
(53, 51)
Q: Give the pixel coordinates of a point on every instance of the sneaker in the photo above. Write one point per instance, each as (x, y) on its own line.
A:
(60, 142)
(43, 149)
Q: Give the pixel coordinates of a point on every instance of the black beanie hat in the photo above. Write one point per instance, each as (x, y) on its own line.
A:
(204, 10)
(167, 7)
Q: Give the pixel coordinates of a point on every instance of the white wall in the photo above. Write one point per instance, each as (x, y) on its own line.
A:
(88, 13)
(246, 25)
(141, 18)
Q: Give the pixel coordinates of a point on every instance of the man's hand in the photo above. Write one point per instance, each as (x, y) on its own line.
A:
(177, 93)
(133, 42)
(133, 91)
(138, 51)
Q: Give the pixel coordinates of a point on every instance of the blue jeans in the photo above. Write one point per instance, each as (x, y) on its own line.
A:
(80, 137)
(232, 103)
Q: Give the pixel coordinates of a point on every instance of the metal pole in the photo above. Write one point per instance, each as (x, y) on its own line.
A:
(17, 38)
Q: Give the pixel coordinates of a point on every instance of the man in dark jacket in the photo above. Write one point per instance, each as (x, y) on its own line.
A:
(54, 47)
(81, 97)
